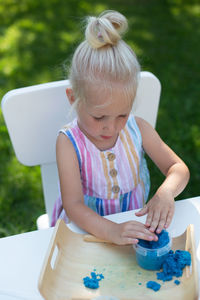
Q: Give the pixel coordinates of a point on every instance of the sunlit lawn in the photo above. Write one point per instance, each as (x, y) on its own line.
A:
(38, 37)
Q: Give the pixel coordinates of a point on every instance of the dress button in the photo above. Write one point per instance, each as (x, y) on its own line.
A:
(111, 156)
(115, 189)
(113, 173)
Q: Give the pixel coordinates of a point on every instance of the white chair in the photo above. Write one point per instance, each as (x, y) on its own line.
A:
(33, 116)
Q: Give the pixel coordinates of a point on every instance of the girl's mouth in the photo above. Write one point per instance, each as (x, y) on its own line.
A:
(106, 137)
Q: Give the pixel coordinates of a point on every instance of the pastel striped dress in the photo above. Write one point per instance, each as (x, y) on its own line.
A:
(114, 180)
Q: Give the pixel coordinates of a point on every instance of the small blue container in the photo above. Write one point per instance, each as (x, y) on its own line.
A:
(152, 259)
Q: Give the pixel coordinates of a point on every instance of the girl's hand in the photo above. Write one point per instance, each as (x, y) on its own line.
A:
(129, 233)
(159, 210)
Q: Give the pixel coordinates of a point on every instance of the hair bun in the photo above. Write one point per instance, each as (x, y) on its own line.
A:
(105, 29)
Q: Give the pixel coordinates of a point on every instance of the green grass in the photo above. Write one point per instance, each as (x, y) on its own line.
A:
(38, 37)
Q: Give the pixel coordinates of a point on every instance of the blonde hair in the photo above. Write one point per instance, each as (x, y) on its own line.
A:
(104, 58)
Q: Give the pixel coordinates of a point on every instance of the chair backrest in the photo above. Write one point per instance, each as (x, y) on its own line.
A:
(33, 116)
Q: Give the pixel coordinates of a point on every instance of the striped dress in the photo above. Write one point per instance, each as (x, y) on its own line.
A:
(114, 180)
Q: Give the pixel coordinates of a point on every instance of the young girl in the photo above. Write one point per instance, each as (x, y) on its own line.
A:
(100, 155)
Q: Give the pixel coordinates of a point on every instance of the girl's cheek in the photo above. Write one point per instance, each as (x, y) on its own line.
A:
(95, 125)
(123, 123)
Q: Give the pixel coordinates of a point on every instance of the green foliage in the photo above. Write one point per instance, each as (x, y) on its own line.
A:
(37, 39)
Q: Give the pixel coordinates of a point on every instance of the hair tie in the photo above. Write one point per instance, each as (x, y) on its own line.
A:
(99, 35)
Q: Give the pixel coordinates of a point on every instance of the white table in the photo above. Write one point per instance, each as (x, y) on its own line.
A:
(22, 256)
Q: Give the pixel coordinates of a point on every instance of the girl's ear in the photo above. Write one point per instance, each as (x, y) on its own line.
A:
(70, 95)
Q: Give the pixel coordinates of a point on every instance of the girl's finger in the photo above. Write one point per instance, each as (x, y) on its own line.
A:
(169, 219)
(144, 235)
(162, 223)
(130, 241)
(154, 222)
(142, 211)
(149, 219)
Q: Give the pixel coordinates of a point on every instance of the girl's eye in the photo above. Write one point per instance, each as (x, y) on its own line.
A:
(123, 116)
(98, 118)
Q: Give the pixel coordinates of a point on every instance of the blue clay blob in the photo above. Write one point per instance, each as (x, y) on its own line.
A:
(153, 285)
(174, 264)
(177, 282)
(163, 239)
(90, 283)
(152, 254)
(93, 281)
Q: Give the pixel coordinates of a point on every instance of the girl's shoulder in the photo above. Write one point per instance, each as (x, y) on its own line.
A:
(139, 127)
(69, 139)
(134, 123)
(139, 123)
(68, 126)
(133, 130)
(72, 131)
(143, 125)
(135, 120)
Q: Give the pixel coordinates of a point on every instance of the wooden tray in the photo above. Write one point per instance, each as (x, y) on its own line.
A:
(61, 277)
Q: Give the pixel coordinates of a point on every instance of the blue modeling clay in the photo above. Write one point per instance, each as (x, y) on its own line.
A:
(177, 282)
(174, 264)
(153, 285)
(150, 255)
(163, 239)
(93, 281)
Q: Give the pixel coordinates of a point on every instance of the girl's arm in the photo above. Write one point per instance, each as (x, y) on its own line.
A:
(78, 212)
(160, 208)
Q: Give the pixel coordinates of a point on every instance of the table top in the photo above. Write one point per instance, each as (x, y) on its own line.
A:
(22, 255)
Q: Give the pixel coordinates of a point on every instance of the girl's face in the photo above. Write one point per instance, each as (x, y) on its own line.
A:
(103, 115)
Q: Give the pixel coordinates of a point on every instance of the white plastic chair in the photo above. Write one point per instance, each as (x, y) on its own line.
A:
(33, 116)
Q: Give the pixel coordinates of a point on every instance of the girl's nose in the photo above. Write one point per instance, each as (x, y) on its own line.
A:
(110, 126)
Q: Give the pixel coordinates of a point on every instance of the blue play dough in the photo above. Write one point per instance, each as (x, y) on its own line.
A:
(163, 239)
(93, 281)
(153, 285)
(150, 255)
(174, 264)
(177, 282)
